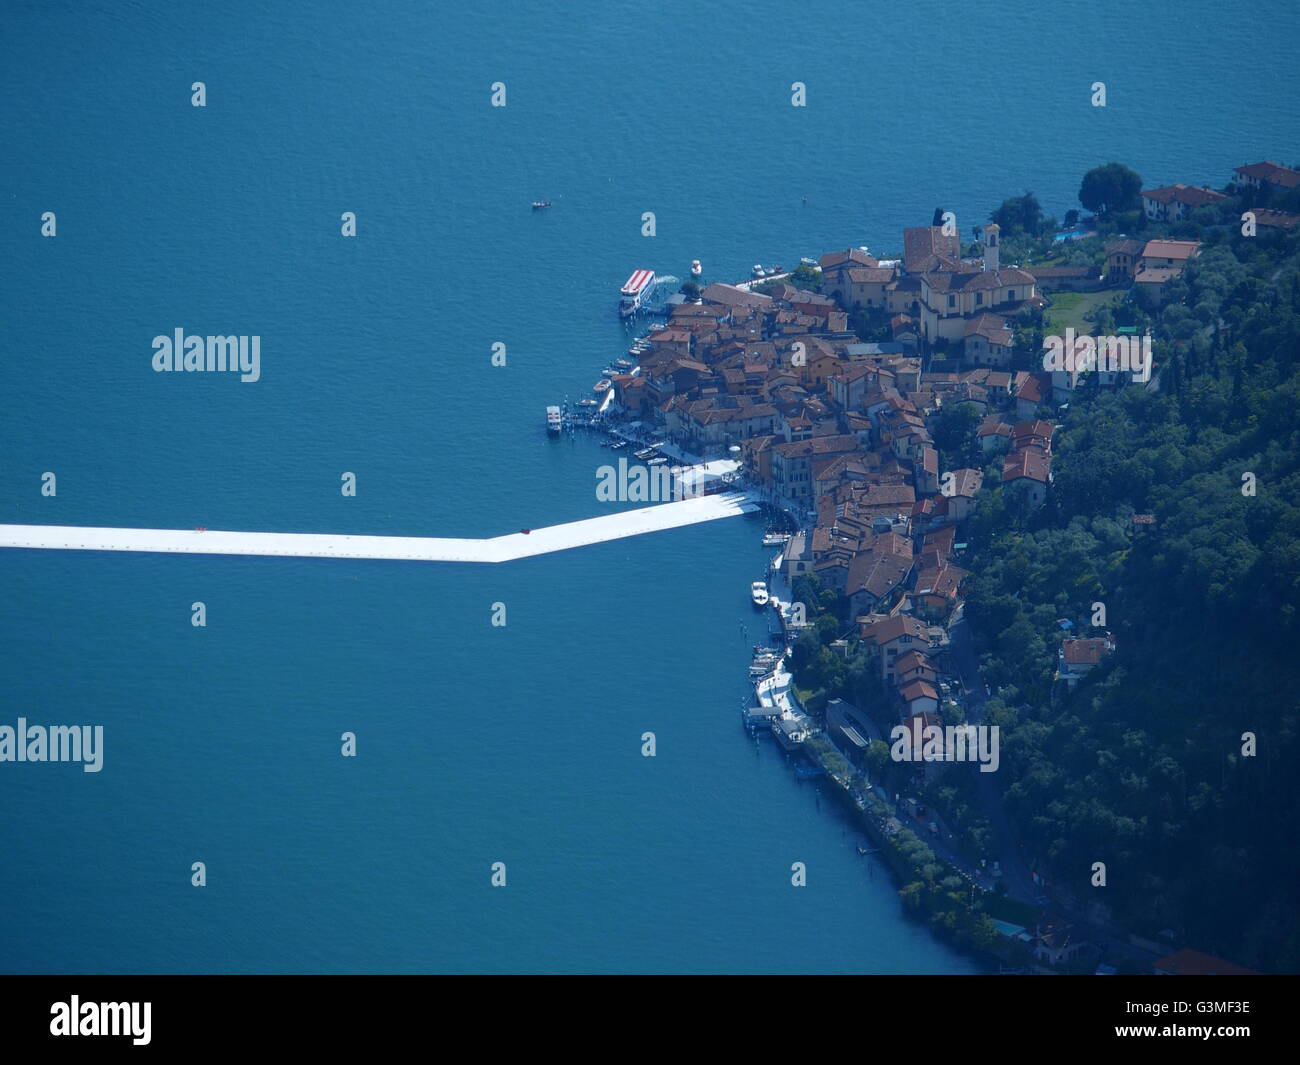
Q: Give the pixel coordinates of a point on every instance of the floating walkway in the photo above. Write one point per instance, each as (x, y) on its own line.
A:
(404, 548)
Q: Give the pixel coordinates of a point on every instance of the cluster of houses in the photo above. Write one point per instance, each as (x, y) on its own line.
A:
(1150, 265)
(1174, 203)
(843, 431)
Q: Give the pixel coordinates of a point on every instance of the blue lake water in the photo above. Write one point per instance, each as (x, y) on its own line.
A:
(477, 744)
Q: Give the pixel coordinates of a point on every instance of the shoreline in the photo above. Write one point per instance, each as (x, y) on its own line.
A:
(988, 927)
(854, 794)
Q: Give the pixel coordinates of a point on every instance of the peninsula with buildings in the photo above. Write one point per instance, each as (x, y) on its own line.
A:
(967, 530)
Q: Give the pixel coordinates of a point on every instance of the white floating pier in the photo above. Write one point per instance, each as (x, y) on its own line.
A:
(405, 548)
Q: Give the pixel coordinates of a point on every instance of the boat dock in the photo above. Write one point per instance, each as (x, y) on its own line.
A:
(507, 548)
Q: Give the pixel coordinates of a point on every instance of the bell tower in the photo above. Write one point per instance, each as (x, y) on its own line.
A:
(991, 232)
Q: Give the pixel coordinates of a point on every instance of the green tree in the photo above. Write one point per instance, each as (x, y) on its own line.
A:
(1113, 187)
(954, 430)
(1020, 214)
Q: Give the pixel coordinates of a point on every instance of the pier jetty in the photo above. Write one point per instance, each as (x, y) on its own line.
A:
(403, 548)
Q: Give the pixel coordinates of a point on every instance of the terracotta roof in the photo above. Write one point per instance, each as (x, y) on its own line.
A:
(882, 632)
(872, 275)
(992, 327)
(876, 572)
(1272, 173)
(1033, 389)
(831, 260)
(1086, 651)
(820, 445)
(1156, 275)
(966, 482)
(942, 580)
(918, 689)
(1035, 428)
(1191, 195)
(1124, 247)
(1171, 249)
(913, 660)
(922, 244)
(730, 296)
(1028, 462)
(1275, 219)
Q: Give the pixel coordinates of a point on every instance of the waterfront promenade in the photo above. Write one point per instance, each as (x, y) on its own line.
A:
(403, 548)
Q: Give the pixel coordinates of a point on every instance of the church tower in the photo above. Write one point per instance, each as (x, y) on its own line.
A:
(991, 232)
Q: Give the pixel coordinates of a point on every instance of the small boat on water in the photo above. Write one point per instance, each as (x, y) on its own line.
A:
(757, 271)
(775, 539)
(554, 420)
(696, 268)
(758, 592)
(539, 205)
(805, 261)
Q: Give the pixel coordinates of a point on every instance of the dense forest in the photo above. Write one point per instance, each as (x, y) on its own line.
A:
(1144, 765)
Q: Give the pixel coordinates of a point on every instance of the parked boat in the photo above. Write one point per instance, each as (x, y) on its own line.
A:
(775, 539)
(757, 270)
(758, 592)
(554, 420)
(696, 268)
(539, 205)
(805, 261)
(634, 292)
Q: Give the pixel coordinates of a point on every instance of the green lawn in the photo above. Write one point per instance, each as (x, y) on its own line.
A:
(1068, 309)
